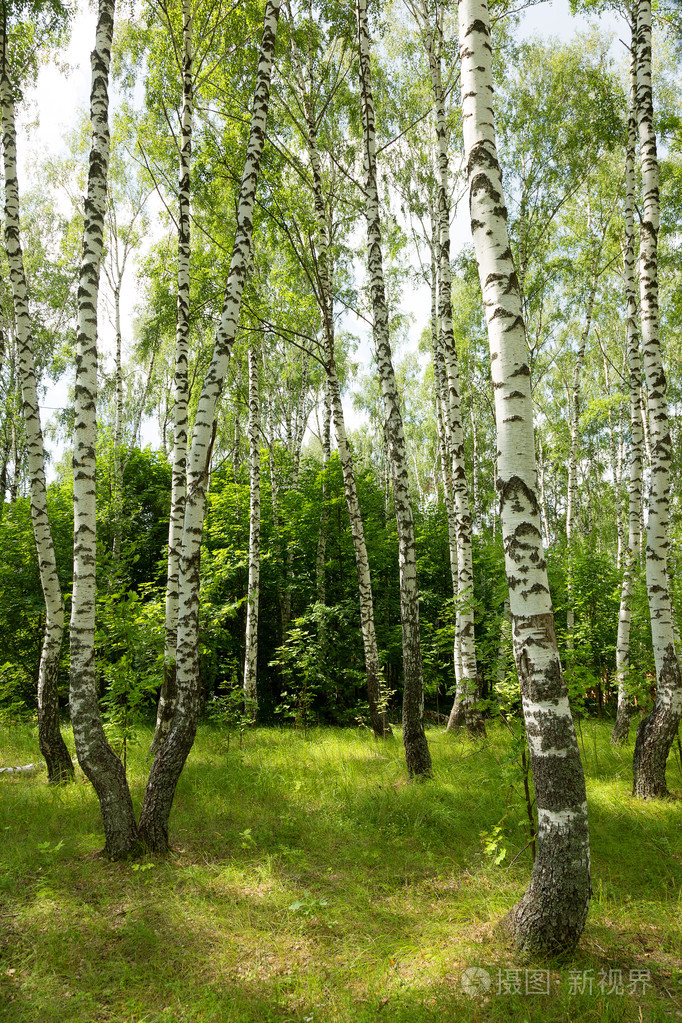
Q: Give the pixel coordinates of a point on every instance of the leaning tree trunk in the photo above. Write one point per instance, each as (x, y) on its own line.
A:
(626, 708)
(52, 745)
(252, 600)
(417, 753)
(551, 914)
(656, 733)
(170, 759)
(464, 710)
(166, 708)
(99, 762)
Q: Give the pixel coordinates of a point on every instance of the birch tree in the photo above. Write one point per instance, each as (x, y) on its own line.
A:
(417, 755)
(626, 707)
(324, 293)
(180, 386)
(170, 758)
(95, 756)
(52, 745)
(656, 732)
(252, 599)
(551, 914)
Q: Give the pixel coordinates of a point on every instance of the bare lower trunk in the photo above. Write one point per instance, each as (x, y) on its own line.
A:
(52, 745)
(551, 914)
(417, 755)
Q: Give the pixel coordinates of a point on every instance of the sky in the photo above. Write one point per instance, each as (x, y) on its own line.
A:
(60, 98)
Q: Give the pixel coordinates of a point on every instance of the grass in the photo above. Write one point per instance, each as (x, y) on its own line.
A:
(310, 882)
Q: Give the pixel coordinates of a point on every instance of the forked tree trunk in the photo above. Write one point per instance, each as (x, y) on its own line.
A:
(253, 595)
(417, 755)
(621, 728)
(99, 762)
(551, 914)
(170, 758)
(52, 745)
(656, 733)
(166, 708)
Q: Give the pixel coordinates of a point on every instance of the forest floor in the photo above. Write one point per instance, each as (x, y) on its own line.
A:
(309, 881)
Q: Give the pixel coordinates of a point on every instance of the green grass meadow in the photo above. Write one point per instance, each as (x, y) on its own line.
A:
(310, 881)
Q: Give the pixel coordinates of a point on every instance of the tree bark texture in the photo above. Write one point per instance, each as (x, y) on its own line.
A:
(253, 595)
(97, 759)
(375, 695)
(166, 708)
(626, 708)
(464, 711)
(170, 758)
(52, 745)
(417, 755)
(657, 731)
(551, 914)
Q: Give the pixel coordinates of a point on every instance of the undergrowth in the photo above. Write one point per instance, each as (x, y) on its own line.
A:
(309, 881)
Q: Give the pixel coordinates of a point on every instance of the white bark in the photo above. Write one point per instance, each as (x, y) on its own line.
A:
(52, 746)
(632, 553)
(253, 595)
(171, 757)
(656, 733)
(95, 756)
(417, 753)
(377, 711)
(552, 912)
(167, 697)
(626, 707)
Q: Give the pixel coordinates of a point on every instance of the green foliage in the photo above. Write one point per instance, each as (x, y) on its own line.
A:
(129, 643)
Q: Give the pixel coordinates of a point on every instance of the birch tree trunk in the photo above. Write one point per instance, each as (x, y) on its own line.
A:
(378, 716)
(170, 758)
(417, 755)
(572, 489)
(656, 733)
(167, 698)
(464, 710)
(621, 728)
(321, 553)
(253, 595)
(97, 759)
(551, 914)
(52, 745)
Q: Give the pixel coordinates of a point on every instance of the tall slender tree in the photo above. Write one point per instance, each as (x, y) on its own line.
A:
(97, 759)
(167, 697)
(626, 707)
(657, 731)
(551, 914)
(52, 745)
(170, 758)
(417, 753)
(253, 594)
